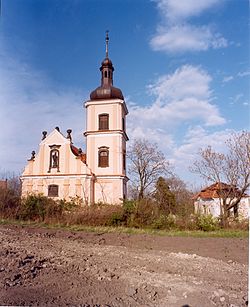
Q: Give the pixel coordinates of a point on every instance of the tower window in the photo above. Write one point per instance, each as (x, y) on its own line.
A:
(123, 124)
(103, 122)
(124, 160)
(105, 74)
(53, 190)
(103, 157)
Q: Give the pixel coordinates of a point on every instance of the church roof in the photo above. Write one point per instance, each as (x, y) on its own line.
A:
(78, 153)
(106, 90)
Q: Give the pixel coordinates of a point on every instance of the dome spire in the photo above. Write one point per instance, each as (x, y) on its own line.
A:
(106, 90)
(107, 43)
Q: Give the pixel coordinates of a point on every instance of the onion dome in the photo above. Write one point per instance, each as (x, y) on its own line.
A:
(106, 90)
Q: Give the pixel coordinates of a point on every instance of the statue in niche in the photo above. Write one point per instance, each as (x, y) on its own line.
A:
(55, 159)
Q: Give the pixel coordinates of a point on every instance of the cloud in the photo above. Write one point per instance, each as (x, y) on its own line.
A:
(186, 82)
(30, 103)
(243, 74)
(183, 38)
(227, 79)
(184, 155)
(183, 96)
(175, 34)
(176, 10)
(180, 116)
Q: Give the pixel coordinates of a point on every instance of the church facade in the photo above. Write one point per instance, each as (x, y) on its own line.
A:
(62, 171)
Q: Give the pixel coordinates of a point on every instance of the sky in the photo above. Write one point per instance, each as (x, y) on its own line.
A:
(183, 68)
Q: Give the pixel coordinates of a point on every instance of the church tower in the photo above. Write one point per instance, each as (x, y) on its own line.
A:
(106, 136)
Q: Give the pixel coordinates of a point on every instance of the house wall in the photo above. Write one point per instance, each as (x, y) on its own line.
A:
(212, 206)
(109, 190)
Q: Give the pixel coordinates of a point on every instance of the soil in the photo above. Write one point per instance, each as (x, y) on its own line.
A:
(41, 267)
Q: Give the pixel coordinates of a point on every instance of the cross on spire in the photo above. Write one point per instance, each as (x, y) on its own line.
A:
(107, 42)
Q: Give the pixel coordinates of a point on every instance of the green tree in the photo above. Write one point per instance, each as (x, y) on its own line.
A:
(164, 198)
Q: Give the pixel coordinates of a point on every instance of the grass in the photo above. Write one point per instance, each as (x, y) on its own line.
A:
(222, 233)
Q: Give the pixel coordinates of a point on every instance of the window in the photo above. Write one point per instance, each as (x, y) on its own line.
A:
(105, 74)
(103, 122)
(123, 124)
(124, 160)
(103, 157)
(53, 190)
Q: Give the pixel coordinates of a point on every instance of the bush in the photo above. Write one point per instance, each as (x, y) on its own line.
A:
(165, 222)
(41, 208)
(10, 202)
(94, 215)
(207, 222)
(144, 215)
(116, 219)
(238, 223)
(34, 207)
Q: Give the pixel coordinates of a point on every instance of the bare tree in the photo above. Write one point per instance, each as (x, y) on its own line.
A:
(147, 164)
(232, 168)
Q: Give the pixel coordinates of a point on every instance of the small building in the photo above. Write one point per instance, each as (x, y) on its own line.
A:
(208, 200)
(61, 170)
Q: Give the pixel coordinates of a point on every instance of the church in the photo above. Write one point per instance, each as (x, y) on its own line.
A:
(63, 171)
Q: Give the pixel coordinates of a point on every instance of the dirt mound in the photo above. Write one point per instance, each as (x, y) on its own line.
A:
(39, 267)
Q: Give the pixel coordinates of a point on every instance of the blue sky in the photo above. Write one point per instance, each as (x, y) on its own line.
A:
(183, 67)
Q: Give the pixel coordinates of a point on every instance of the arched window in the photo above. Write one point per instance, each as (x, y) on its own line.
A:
(105, 74)
(53, 190)
(103, 122)
(103, 157)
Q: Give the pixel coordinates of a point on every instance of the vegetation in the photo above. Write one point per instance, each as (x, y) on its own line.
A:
(149, 214)
(147, 163)
(230, 168)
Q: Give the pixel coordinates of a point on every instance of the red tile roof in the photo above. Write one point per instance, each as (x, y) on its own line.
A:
(78, 153)
(215, 189)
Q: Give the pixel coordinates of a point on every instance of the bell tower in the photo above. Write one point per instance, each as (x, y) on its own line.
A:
(106, 137)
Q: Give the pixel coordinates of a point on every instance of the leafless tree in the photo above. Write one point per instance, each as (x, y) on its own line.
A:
(147, 163)
(232, 168)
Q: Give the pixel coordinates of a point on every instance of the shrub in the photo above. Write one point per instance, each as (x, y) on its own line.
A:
(165, 222)
(116, 219)
(145, 213)
(238, 223)
(10, 202)
(42, 208)
(94, 215)
(160, 222)
(33, 207)
(206, 222)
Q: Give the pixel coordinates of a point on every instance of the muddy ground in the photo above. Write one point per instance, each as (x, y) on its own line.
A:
(41, 267)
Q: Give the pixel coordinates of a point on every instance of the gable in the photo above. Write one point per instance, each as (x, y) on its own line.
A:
(55, 138)
(56, 156)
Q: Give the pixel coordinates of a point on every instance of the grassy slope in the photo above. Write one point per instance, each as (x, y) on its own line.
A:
(222, 233)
